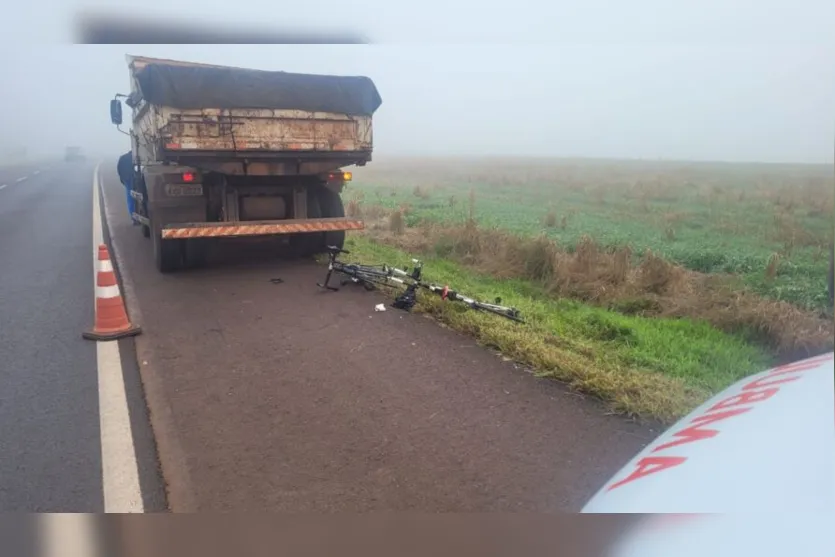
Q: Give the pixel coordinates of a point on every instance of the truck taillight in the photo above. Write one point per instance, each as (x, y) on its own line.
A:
(344, 176)
(188, 176)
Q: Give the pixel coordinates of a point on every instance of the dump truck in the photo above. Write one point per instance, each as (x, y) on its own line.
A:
(223, 152)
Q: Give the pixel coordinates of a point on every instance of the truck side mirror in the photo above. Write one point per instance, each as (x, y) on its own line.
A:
(116, 111)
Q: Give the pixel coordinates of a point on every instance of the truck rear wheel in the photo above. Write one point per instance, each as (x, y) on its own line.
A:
(142, 207)
(195, 253)
(168, 254)
(331, 205)
(321, 203)
(305, 245)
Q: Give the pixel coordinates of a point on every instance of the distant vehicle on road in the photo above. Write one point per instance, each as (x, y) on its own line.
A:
(73, 154)
(230, 152)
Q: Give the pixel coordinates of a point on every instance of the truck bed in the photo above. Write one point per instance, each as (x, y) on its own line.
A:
(254, 131)
(184, 109)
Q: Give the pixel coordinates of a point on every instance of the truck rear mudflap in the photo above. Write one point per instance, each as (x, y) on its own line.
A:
(258, 228)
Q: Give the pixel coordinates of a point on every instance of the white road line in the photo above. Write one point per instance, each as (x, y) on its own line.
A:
(2, 186)
(36, 172)
(67, 535)
(22, 178)
(120, 472)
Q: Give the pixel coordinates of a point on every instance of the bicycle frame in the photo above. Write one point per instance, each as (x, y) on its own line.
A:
(371, 275)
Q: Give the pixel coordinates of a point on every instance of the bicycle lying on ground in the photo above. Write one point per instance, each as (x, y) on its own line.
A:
(371, 275)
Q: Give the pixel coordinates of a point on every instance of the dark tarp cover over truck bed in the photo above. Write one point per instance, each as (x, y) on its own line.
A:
(198, 87)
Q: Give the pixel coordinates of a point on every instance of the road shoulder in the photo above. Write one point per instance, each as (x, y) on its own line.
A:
(291, 399)
(149, 410)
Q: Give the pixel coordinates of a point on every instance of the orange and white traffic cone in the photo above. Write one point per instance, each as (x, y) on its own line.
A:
(111, 317)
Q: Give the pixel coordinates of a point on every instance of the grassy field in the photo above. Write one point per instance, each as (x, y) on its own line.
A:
(768, 224)
(650, 285)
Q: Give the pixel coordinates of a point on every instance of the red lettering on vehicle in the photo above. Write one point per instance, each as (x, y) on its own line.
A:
(756, 391)
(650, 465)
(695, 433)
(745, 398)
(797, 367)
(767, 382)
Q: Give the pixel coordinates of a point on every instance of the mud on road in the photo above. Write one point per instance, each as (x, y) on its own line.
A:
(283, 397)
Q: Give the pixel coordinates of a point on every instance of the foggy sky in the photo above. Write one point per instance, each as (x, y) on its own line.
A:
(741, 93)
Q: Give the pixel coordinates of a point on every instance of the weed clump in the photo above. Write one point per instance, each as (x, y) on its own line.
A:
(772, 266)
(397, 223)
(421, 192)
(353, 209)
(550, 220)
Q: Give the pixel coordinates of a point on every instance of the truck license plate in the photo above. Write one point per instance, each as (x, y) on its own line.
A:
(183, 190)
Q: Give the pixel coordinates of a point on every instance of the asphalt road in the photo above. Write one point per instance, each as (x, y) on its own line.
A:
(281, 397)
(49, 401)
(262, 396)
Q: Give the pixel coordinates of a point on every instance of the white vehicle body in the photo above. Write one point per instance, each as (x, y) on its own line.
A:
(765, 444)
(762, 451)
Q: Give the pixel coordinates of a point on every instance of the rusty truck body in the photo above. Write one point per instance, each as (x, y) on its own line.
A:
(230, 152)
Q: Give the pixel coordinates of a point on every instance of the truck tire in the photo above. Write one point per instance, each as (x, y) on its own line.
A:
(194, 256)
(142, 208)
(168, 254)
(332, 207)
(307, 245)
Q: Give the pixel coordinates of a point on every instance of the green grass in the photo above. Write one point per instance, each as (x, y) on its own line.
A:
(649, 367)
(725, 221)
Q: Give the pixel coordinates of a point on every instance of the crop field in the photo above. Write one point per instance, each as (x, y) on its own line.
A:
(771, 225)
(650, 284)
